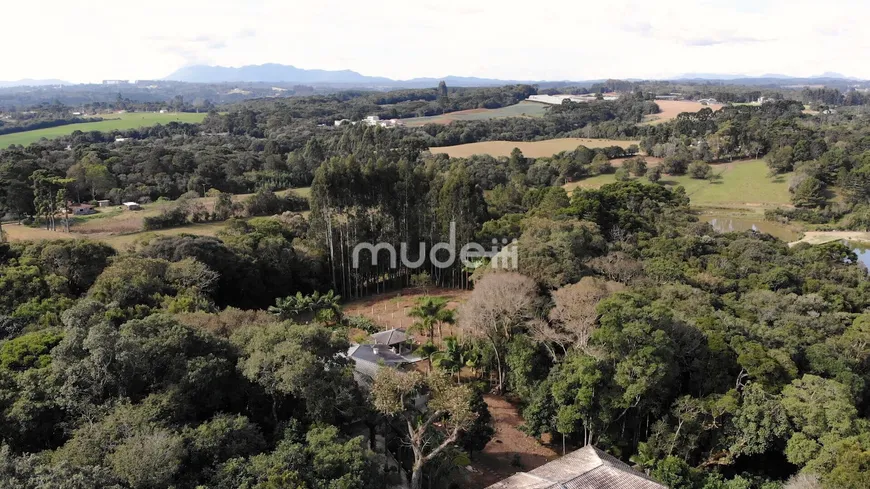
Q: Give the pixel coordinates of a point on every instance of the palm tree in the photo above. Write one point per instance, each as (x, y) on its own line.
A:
(431, 312)
(452, 358)
(325, 307)
(427, 351)
(291, 306)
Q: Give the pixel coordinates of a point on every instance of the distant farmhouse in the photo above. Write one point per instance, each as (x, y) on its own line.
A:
(586, 468)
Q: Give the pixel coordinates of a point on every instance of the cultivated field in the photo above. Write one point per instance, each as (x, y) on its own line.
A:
(129, 120)
(522, 109)
(672, 108)
(740, 184)
(534, 149)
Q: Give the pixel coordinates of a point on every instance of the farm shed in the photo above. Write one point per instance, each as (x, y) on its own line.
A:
(82, 209)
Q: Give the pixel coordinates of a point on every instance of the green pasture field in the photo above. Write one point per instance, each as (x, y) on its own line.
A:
(740, 184)
(127, 120)
(522, 109)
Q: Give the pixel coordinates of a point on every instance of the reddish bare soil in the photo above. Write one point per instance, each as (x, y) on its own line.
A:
(496, 461)
(390, 310)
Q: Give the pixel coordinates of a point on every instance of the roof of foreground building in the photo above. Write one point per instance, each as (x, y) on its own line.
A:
(586, 468)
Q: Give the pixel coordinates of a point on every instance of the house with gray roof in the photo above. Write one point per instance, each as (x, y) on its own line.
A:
(367, 359)
(586, 468)
(396, 339)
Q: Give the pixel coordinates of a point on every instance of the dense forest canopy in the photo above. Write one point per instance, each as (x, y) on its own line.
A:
(707, 360)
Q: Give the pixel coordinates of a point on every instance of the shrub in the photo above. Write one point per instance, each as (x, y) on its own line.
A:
(28, 351)
(266, 203)
(700, 170)
(636, 166)
(167, 219)
(674, 165)
(363, 323)
(601, 165)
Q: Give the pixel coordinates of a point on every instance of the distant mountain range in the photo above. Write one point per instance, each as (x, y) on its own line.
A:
(269, 73)
(828, 75)
(28, 82)
(285, 73)
(276, 73)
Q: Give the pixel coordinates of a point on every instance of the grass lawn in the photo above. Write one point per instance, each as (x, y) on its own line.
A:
(119, 240)
(122, 242)
(533, 149)
(129, 120)
(302, 192)
(740, 184)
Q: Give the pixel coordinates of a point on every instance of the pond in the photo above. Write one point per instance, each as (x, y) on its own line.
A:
(862, 250)
(725, 224)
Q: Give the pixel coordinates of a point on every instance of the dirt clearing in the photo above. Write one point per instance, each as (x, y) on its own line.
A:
(508, 446)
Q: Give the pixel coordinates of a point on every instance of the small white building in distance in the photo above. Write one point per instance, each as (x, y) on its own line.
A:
(558, 99)
(373, 120)
(132, 206)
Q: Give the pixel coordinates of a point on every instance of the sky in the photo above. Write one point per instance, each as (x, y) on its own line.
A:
(94, 40)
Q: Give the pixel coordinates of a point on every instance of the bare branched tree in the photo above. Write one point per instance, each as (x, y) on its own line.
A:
(576, 309)
(617, 266)
(803, 481)
(500, 303)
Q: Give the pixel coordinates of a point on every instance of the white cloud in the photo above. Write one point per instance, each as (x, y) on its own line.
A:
(402, 39)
